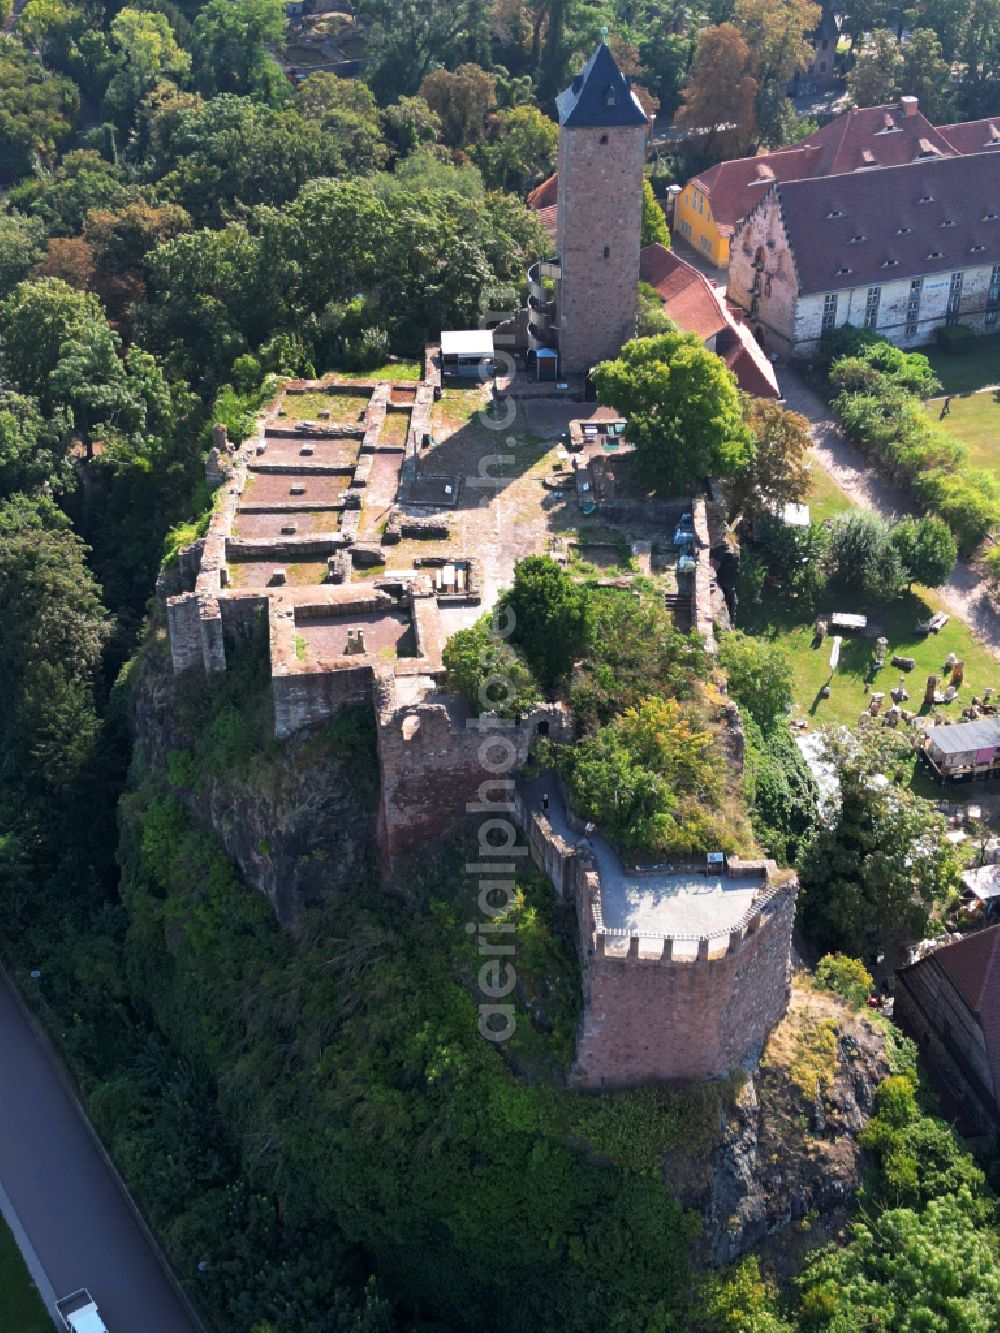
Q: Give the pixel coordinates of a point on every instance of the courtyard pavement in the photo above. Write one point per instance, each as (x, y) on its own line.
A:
(653, 905)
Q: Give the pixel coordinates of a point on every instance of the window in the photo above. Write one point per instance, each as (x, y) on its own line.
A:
(835, 213)
(858, 238)
(822, 66)
(934, 254)
(843, 272)
(911, 330)
(927, 199)
(890, 263)
(948, 222)
(990, 217)
(829, 311)
(954, 298)
(904, 231)
(607, 252)
(610, 96)
(993, 296)
(975, 249)
(871, 306)
(604, 138)
(991, 317)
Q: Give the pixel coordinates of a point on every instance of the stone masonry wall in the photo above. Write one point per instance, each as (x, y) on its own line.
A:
(599, 208)
(651, 1020)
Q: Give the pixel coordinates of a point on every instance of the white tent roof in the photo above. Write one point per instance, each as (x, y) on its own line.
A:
(467, 342)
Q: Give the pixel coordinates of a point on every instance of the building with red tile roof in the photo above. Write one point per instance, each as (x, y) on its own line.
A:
(902, 250)
(696, 306)
(713, 202)
(949, 1003)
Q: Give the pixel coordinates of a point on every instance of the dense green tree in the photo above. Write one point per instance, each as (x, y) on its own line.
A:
(777, 471)
(910, 1270)
(927, 549)
(877, 72)
(32, 450)
(740, 1300)
(759, 675)
(21, 241)
(775, 33)
(549, 615)
(50, 28)
(83, 181)
(488, 672)
(36, 320)
(862, 555)
(879, 863)
(524, 151)
(407, 39)
(462, 101)
(345, 110)
(144, 52)
(230, 42)
(926, 75)
(654, 224)
(683, 410)
(37, 114)
(947, 19)
(409, 124)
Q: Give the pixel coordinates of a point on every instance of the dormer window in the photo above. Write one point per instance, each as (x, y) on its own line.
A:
(934, 254)
(977, 248)
(904, 231)
(858, 238)
(890, 263)
(610, 96)
(843, 272)
(927, 199)
(948, 222)
(835, 213)
(990, 217)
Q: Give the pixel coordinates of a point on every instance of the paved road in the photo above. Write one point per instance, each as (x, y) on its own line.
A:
(67, 1206)
(965, 595)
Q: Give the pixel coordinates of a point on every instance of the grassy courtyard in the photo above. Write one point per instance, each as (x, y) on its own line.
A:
(969, 370)
(783, 622)
(21, 1306)
(976, 421)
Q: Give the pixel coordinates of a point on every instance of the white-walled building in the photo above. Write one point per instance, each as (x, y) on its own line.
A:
(902, 250)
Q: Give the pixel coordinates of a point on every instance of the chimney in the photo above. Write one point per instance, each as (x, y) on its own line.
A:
(909, 105)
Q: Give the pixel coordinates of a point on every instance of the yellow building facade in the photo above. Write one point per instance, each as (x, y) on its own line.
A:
(694, 221)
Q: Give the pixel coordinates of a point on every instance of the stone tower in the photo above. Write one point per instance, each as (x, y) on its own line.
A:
(602, 149)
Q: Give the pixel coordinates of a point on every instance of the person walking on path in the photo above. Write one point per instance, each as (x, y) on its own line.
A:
(946, 408)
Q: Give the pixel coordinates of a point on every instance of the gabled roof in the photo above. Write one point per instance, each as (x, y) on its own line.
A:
(859, 140)
(696, 307)
(973, 136)
(972, 966)
(600, 97)
(919, 220)
(960, 737)
(687, 295)
(544, 195)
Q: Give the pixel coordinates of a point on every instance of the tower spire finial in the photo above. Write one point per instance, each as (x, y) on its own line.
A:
(604, 34)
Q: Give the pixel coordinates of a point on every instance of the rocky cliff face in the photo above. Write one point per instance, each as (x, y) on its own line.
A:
(297, 816)
(787, 1164)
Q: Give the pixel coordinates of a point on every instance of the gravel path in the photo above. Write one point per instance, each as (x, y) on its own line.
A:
(965, 594)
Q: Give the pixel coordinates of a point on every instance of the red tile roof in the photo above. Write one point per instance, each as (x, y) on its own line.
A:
(919, 220)
(695, 307)
(547, 217)
(973, 136)
(973, 967)
(864, 138)
(544, 195)
(688, 297)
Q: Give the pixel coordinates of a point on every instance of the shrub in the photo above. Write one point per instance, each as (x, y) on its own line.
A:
(955, 339)
(846, 977)
(760, 676)
(862, 555)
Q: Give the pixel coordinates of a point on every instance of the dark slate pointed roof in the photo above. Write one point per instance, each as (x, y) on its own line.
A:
(600, 97)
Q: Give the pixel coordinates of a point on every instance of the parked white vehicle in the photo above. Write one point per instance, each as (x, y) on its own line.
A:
(80, 1314)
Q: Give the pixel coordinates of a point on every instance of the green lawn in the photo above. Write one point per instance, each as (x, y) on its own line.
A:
(783, 623)
(21, 1307)
(976, 421)
(970, 370)
(825, 497)
(392, 370)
